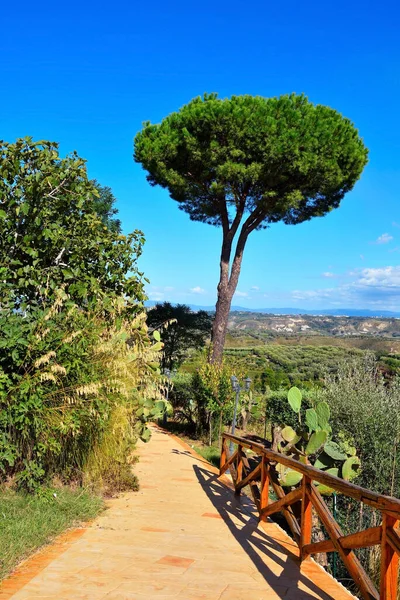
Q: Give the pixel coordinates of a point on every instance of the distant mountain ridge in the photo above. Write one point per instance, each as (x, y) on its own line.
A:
(332, 312)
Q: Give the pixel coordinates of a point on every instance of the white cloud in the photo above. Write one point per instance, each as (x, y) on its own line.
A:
(156, 296)
(241, 294)
(311, 294)
(384, 278)
(385, 238)
(369, 287)
(197, 290)
(395, 224)
(255, 288)
(328, 275)
(168, 288)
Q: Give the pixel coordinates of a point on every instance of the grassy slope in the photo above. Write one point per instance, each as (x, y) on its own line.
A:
(210, 453)
(29, 522)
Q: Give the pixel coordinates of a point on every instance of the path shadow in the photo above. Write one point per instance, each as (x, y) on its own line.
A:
(239, 515)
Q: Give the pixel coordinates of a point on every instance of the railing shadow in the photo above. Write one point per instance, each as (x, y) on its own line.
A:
(250, 537)
(189, 454)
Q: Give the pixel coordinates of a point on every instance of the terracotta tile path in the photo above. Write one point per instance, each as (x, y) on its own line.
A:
(183, 536)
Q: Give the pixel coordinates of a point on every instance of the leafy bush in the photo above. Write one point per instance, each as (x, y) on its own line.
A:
(366, 408)
(182, 400)
(204, 399)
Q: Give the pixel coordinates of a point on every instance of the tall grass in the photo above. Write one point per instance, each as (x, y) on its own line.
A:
(76, 382)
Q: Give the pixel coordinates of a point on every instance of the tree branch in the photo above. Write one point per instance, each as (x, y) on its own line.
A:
(238, 217)
(253, 220)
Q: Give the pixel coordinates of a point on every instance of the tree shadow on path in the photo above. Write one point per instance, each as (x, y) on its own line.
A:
(240, 518)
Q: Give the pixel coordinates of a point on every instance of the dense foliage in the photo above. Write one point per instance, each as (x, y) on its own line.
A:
(313, 439)
(275, 158)
(76, 360)
(53, 235)
(368, 408)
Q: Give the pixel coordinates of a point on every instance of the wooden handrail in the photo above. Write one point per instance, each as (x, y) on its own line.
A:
(308, 498)
(380, 502)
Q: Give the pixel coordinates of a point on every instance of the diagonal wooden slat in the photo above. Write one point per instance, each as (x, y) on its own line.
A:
(277, 506)
(286, 510)
(393, 539)
(253, 485)
(360, 539)
(254, 474)
(228, 463)
(350, 560)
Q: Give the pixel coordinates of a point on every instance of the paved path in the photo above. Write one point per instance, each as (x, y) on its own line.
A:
(183, 536)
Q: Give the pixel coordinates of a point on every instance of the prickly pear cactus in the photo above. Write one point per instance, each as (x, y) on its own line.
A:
(149, 410)
(312, 442)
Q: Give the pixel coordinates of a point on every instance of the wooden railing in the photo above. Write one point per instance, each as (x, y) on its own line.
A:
(262, 474)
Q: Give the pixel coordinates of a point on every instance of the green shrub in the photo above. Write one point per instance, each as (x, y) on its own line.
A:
(75, 354)
(366, 408)
(279, 411)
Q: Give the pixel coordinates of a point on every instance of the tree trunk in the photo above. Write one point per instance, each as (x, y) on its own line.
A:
(226, 288)
(228, 280)
(220, 325)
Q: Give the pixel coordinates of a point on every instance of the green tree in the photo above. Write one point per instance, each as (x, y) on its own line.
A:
(246, 162)
(104, 205)
(53, 235)
(181, 328)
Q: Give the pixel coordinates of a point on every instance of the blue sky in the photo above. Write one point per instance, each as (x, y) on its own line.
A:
(87, 75)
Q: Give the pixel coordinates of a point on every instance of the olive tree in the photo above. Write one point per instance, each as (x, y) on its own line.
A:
(246, 162)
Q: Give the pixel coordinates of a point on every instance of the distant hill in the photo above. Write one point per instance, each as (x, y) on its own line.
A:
(261, 325)
(333, 312)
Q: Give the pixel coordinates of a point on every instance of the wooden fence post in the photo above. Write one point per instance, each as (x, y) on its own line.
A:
(264, 491)
(223, 454)
(306, 516)
(389, 561)
(239, 468)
